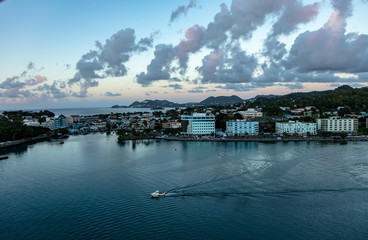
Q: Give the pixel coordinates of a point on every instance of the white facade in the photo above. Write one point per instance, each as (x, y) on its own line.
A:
(292, 127)
(242, 127)
(49, 123)
(335, 124)
(198, 124)
(251, 113)
(32, 122)
(171, 125)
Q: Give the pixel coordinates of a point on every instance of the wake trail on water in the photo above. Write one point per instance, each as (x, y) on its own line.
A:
(214, 180)
(264, 193)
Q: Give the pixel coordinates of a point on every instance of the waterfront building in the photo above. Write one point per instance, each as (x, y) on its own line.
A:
(72, 119)
(60, 122)
(242, 127)
(299, 128)
(171, 125)
(336, 124)
(49, 123)
(198, 124)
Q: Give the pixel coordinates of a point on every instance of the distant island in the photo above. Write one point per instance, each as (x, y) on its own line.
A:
(341, 96)
(117, 106)
(159, 104)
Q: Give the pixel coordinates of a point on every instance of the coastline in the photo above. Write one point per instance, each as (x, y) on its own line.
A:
(260, 139)
(24, 141)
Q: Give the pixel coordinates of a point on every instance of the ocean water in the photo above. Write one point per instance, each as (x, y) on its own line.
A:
(92, 187)
(93, 111)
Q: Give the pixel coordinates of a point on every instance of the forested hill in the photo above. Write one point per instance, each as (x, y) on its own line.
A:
(346, 96)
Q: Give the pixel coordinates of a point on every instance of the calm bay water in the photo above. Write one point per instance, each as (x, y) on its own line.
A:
(92, 187)
(93, 111)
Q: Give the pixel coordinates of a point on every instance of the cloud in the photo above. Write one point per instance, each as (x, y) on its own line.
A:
(53, 91)
(182, 10)
(30, 66)
(159, 68)
(235, 66)
(193, 42)
(294, 14)
(236, 87)
(224, 32)
(151, 92)
(12, 82)
(109, 94)
(292, 86)
(109, 59)
(175, 86)
(195, 90)
(36, 80)
(330, 48)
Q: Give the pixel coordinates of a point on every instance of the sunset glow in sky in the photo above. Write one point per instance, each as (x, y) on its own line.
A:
(64, 54)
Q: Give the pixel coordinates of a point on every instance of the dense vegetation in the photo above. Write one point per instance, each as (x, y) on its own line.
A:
(12, 128)
(354, 98)
(15, 130)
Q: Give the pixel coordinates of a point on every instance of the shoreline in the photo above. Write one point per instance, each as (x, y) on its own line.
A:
(24, 141)
(258, 139)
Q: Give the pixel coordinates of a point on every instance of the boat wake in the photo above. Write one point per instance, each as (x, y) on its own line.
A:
(262, 193)
(219, 179)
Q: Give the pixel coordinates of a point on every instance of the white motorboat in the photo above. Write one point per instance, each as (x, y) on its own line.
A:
(157, 194)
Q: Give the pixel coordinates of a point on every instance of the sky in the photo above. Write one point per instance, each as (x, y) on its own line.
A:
(93, 53)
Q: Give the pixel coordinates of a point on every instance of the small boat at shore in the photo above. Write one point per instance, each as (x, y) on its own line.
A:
(158, 194)
(3, 157)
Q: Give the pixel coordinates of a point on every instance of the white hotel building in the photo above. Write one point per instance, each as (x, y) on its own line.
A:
(198, 124)
(336, 124)
(242, 127)
(292, 127)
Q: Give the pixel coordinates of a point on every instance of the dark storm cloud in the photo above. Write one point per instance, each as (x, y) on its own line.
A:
(182, 10)
(110, 94)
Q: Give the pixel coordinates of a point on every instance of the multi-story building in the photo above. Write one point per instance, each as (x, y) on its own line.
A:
(72, 119)
(198, 124)
(336, 124)
(242, 127)
(60, 122)
(171, 125)
(299, 128)
(251, 113)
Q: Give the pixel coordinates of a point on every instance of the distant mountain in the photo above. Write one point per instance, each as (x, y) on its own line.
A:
(346, 96)
(263, 96)
(153, 104)
(222, 100)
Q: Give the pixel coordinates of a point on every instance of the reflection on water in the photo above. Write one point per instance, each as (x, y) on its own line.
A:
(93, 186)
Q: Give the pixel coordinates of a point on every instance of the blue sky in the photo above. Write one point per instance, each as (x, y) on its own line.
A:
(99, 53)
